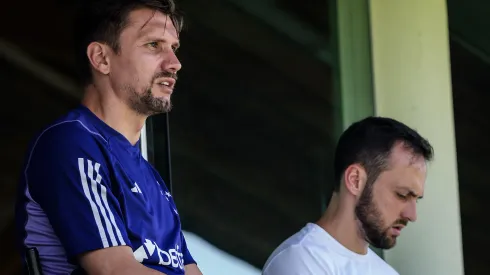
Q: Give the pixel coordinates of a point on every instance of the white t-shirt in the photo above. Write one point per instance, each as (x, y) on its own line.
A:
(312, 251)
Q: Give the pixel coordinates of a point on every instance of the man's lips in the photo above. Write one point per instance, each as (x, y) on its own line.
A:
(168, 82)
(396, 230)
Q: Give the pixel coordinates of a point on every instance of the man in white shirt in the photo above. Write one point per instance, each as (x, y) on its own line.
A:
(380, 171)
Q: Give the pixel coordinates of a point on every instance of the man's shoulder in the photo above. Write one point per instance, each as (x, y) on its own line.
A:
(68, 131)
(381, 265)
(298, 258)
(304, 250)
(298, 250)
(69, 136)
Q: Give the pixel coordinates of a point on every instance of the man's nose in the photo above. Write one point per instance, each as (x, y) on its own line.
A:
(410, 211)
(171, 63)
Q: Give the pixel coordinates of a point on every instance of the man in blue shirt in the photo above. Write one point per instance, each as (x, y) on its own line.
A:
(88, 201)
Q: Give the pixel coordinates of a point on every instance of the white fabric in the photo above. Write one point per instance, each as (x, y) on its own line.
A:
(312, 251)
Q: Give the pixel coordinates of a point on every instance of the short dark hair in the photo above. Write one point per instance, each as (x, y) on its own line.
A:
(104, 20)
(369, 142)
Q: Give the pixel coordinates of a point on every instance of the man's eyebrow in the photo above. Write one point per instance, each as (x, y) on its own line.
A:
(175, 45)
(148, 32)
(149, 27)
(411, 193)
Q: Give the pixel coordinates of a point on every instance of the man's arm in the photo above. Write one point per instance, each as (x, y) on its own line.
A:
(115, 260)
(192, 269)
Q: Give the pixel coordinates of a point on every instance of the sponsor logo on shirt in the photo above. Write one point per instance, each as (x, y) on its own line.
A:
(172, 257)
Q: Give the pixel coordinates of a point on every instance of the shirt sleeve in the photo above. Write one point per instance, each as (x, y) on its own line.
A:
(295, 260)
(186, 253)
(67, 176)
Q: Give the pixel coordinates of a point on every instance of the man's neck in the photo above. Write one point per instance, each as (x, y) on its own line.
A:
(340, 222)
(114, 112)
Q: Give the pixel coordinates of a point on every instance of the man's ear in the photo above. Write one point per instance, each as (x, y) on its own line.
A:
(98, 55)
(355, 179)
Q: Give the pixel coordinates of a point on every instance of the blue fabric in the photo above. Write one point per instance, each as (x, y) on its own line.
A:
(85, 187)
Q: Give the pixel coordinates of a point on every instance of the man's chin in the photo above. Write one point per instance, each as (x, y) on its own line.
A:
(164, 106)
(387, 243)
(155, 110)
(160, 111)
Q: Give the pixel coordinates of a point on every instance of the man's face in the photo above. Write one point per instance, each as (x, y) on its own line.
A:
(386, 206)
(143, 73)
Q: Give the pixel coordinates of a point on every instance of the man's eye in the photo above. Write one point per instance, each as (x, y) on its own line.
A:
(153, 45)
(403, 197)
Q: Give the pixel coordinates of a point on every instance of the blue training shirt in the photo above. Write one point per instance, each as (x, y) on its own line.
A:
(85, 187)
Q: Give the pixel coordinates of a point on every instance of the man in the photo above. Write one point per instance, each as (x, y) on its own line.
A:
(88, 200)
(380, 171)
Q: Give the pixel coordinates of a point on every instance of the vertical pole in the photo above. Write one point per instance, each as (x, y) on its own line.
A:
(144, 142)
(410, 57)
(148, 147)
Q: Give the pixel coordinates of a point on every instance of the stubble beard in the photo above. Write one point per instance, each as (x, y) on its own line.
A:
(146, 103)
(370, 221)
